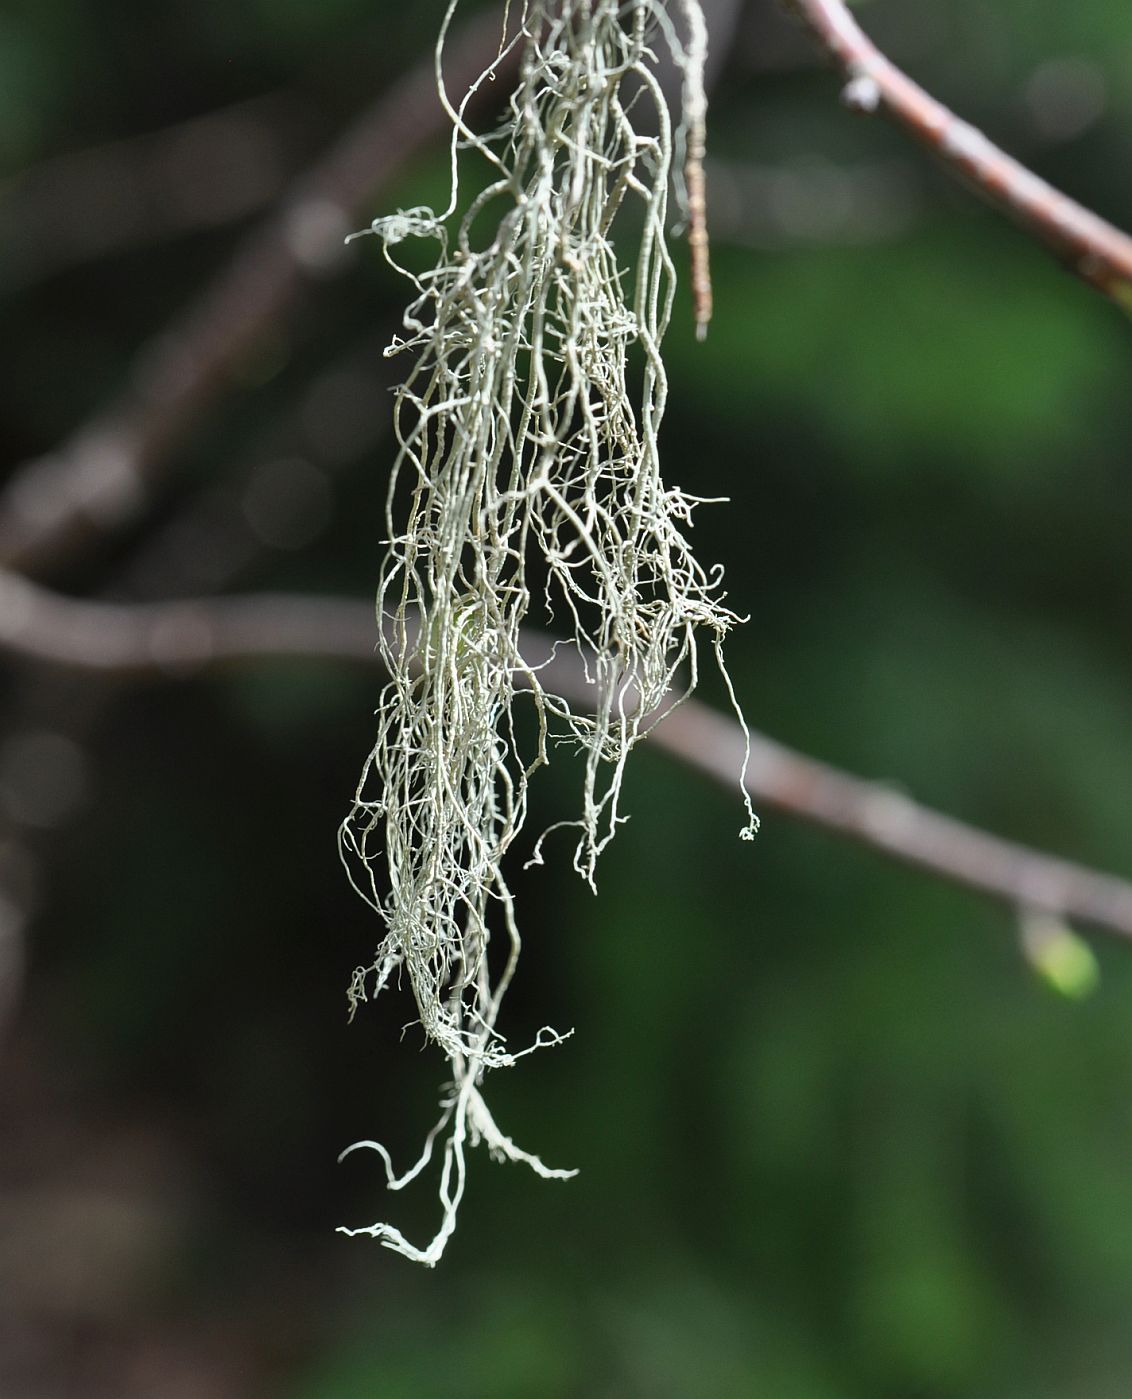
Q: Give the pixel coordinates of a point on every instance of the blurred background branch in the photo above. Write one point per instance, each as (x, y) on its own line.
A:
(56, 507)
(192, 634)
(149, 189)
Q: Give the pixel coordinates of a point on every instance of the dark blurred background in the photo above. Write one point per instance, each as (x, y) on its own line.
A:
(836, 1139)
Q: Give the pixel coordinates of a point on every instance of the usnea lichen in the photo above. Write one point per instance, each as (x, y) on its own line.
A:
(526, 482)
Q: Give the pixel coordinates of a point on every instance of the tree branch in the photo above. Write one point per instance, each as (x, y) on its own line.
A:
(171, 638)
(98, 480)
(1095, 250)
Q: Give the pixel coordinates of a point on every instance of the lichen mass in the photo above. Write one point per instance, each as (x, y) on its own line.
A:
(526, 486)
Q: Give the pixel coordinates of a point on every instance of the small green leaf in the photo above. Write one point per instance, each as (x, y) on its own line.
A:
(1060, 957)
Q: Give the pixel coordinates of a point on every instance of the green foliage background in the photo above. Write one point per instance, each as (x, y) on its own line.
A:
(836, 1140)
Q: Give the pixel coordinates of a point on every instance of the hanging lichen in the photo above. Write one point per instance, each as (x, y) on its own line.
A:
(527, 428)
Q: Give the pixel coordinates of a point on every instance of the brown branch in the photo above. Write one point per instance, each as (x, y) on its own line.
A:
(98, 480)
(884, 819)
(160, 639)
(1095, 250)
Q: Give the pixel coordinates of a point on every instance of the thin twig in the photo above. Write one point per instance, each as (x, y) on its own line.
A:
(887, 820)
(177, 638)
(99, 479)
(1095, 250)
(695, 149)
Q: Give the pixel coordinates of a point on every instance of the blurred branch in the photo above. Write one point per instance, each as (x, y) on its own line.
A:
(1095, 250)
(280, 496)
(770, 207)
(169, 638)
(198, 174)
(97, 481)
